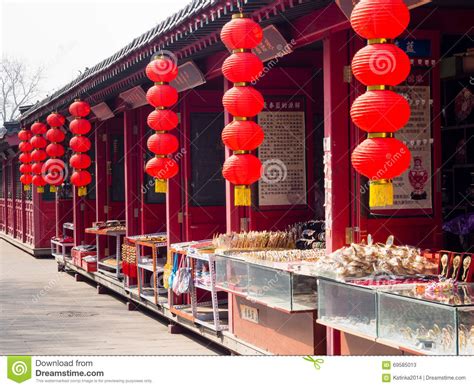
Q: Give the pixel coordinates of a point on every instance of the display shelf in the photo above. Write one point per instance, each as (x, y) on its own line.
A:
(107, 269)
(61, 251)
(275, 285)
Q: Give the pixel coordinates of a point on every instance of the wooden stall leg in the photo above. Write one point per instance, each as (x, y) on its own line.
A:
(132, 306)
(79, 278)
(102, 289)
(173, 328)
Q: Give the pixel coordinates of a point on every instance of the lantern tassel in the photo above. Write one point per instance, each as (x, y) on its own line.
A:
(381, 193)
(82, 191)
(160, 186)
(242, 195)
(26, 187)
(52, 189)
(40, 189)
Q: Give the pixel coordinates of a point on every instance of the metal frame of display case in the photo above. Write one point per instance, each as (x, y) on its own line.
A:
(279, 269)
(57, 246)
(210, 259)
(153, 268)
(101, 266)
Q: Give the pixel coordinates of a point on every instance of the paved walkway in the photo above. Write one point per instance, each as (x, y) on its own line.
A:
(45, 312)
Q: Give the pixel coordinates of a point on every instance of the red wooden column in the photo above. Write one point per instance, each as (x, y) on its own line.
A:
(23, 215)
(78, 207)
(174, 208)
(132, 180)
(337, 145)
(14, 200)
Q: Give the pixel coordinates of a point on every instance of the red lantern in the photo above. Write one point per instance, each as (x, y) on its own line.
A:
(162, 69)
(37, 168)
(80, 144)
(242, 169)
(161, 169)
(381, 64)
(162, 143)
(26, 180)
(162, 120)
(162, 95)
(380, 111)
(24, 135)
(80, 126)
(38, 142)
(79, 108)
(25, 168)
(241, 33)
(243, 101)
(381, 158)
(39, 181)
(81, 179)
(80, 161)
(373, 19)
(38, 128)
(38, 155)
(25, 146)
(242, 135)
(55, 120)
(55, 150)
(242, 67)
(25, 157)
(55, 135)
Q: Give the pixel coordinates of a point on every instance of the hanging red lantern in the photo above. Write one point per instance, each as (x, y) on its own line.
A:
(37, 168)
(380, 66)
(25, 146)
(38, 142)
(373, 19)
(162, 69)
(39, 182)
(241, 33)
(24, 135)
(162, 120)
(55, 150)
(80, 161)
(79, 108)
(162, 169)
(242, 135)
(55, 120)
(242, 169)
(80, 179)
(55, 135)
(25, 168)
(26, 180)
(161, 95)
(39, 128)
(242, 101)
(38, 155)
(79, 144)
(25, 157)
(80, 126)
(380, 111)
(242, 67)
(162, 143)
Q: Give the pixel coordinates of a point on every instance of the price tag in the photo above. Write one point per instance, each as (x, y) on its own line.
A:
(249, 313)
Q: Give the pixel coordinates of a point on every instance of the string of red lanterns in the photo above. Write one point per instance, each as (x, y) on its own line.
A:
(38, 155)
(162, 70)
(80, 144)
(380, 111)
(25, 148)
(242, 101)
(54, 167)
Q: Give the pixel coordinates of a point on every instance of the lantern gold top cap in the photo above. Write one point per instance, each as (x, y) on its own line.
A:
(239, 15)
(77, 99)
(158, 56)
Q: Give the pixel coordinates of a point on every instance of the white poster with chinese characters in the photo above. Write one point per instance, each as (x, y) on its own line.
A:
(283, 153)
(413, 189)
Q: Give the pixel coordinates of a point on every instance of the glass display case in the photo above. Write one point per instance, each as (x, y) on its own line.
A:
(272, 286)
(432, 323)
(347, 307)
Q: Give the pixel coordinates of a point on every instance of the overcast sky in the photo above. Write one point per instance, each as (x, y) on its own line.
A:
(67, 36)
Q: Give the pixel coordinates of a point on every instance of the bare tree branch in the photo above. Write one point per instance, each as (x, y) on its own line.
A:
(18, 86)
